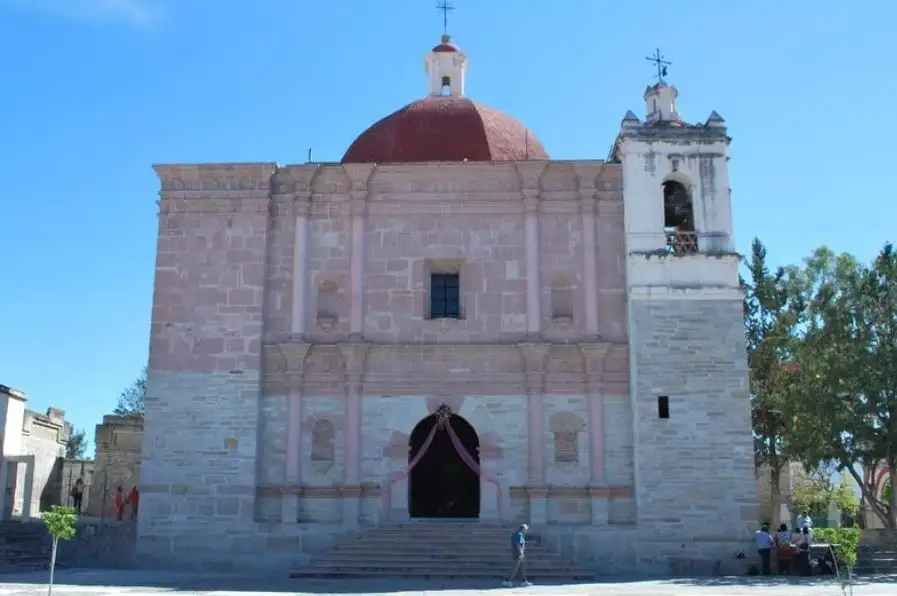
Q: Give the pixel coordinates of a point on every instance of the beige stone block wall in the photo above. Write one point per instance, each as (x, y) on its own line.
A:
(119, 441)
(43, 436)
(768, 503)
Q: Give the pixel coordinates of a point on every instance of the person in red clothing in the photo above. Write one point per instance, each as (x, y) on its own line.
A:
(134, 500)
(119, 504)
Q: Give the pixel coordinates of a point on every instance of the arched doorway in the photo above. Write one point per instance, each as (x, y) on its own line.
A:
(441, 484)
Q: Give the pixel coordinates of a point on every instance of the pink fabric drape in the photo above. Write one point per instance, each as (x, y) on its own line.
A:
(473, 465)
(462, 453)
(387, 490)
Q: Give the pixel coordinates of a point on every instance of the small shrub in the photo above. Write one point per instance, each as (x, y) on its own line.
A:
(847, 540)
(61, 524)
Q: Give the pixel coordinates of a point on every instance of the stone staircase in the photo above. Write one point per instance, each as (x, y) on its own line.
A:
(24, 546)
(876, 559)
(439, 550)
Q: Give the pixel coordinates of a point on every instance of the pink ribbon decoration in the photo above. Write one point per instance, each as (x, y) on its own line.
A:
(477, 469)
(444, 419)
(387, 490)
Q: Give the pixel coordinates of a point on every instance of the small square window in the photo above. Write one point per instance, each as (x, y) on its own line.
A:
(663, 407)
(445, 296)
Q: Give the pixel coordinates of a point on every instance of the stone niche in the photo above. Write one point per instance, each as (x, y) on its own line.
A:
(118, 449)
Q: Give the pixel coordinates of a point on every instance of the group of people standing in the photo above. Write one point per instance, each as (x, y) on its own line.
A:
(792, 547)
(121, 500)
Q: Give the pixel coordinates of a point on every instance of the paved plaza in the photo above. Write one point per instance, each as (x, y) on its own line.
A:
(97, 583)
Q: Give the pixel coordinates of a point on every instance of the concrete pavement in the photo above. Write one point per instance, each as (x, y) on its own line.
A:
(142, 582)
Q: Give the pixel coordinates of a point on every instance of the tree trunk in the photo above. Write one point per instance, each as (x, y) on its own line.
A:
(872, 501)
(52, 565)
(775, 489)
(892, 504)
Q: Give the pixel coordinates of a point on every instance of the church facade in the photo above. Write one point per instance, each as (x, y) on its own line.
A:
(449, 324)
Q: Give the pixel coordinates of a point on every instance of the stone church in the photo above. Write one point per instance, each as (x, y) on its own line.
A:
(449, 324)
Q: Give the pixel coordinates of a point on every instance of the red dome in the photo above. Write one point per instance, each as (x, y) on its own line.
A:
(445, 129)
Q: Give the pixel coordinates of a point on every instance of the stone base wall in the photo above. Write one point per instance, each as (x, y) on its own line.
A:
(695, 479)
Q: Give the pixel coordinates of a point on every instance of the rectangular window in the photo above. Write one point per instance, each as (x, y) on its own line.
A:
(445, 296)
(663, 407)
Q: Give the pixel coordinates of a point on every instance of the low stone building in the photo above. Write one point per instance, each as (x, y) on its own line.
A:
(31, 445)
(117, 462)
(774, 507)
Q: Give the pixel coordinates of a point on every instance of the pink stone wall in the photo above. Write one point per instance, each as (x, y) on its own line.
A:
(488, 252)
(207, 308)
(467, 218)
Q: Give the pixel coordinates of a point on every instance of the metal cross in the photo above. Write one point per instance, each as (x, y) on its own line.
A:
(660, 64)
(445, 7)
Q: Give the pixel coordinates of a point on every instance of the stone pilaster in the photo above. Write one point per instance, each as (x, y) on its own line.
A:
(530, 174)
(535, 355)
(595, 357)
(589, 261)
(359, 175)
(533, 265)
(294, 355)
(299, 316)
(538, 505)
(355, 357)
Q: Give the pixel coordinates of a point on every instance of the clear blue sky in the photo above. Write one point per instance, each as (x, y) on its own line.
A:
(94, 91)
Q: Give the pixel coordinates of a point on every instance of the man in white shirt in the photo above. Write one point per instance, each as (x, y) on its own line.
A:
(804, 521)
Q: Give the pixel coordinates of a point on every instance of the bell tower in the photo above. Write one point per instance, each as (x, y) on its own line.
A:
(446, 66)
(692, 438)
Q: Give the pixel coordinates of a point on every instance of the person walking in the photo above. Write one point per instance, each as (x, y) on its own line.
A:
(518, 552)
(78, 495)
(764, 548)
(134, 500)
(119, 504)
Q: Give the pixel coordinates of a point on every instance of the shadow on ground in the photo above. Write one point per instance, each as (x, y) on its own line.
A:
(206, 582)
(779, 580)
(156, 581)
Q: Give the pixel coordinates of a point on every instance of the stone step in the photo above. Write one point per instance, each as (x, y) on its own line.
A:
(389, 543)
(436, 559)
(445, 574)
(439, 550)
(411, 550)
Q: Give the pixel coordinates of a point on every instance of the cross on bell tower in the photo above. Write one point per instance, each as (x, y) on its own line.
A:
(660, 98)
(660, 64)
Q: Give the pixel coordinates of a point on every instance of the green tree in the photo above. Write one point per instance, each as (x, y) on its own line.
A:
(76, 445)
(886, 491)
(816, 494)
(844, 401)
(771, 310)
(131, 400)
(60, 523)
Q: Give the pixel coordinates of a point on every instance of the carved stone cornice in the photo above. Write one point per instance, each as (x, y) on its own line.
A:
(359, 175)
(284, 366)
(295, 180)
(221, 178)
(587, 203)
(358, 202)
(355, 354)
(170, 205)
(530, 173)
(587, 173)
(606, 367)
(530, 201)
(535, 355)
